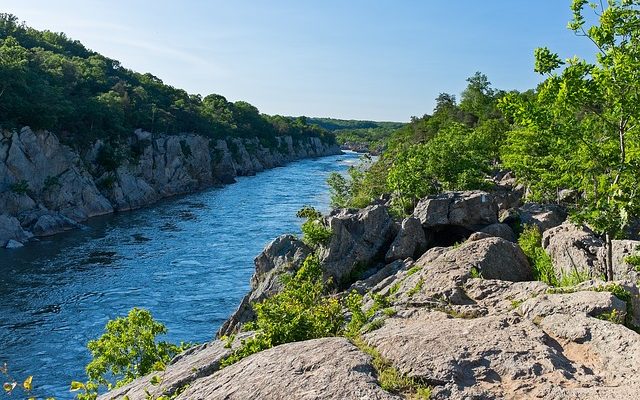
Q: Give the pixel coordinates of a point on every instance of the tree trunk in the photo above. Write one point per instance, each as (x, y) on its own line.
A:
(609, 257)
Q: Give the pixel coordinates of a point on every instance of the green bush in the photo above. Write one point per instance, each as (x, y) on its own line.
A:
(530, 242)
(313, 230)
(21, 187)
(300, 312)
(128, 349)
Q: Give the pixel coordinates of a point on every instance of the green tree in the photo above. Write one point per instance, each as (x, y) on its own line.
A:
(581, 132)
(128, 349)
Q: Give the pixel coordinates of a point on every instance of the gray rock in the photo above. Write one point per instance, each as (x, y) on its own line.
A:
(53, 173)
(501, 231)
(283, 255)
(545, 216)
(588, 302)
(621, 249)
(490, 357)
(10, 229)
(442, 274)
(409, 242)
(494, 297)
(47, 223)
(471, 210)
(187, 367)
(12, 244)
(574, 248)
(330, 368)
(360, 238)
(362, 286)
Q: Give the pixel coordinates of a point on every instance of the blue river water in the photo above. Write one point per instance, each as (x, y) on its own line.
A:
(187, 259)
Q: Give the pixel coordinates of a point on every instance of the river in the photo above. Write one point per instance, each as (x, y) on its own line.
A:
(187, 259)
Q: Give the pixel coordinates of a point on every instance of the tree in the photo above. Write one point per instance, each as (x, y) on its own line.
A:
(128, 349)
(581, 132)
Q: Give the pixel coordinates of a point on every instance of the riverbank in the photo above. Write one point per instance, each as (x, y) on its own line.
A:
(46, 187)
(188, 259)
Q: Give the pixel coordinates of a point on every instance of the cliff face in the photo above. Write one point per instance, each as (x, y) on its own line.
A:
(46, 187)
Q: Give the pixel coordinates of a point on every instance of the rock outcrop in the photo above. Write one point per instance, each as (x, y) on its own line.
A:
(360, 239)
(465, 319)
(284, 255)
(48, 187)
(574, 248)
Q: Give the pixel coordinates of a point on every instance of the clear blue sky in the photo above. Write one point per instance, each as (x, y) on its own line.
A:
(361, 59)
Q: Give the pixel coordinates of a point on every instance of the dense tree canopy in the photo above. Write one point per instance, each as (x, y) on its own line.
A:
(581, 132)
(51, 82)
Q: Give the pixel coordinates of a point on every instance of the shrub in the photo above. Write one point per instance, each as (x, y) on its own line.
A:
(108, 157)
(128, 349)
(530, 242)
(313, 230)
(50, 182)
(21, 187)
(300, 312)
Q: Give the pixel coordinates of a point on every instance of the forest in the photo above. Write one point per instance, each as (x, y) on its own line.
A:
(48, 81)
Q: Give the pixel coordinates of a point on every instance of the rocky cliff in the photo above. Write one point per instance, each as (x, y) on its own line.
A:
(46, 187)
(463, 314)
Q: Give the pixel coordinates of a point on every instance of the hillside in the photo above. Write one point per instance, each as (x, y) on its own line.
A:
(358, 135)
(49, 81)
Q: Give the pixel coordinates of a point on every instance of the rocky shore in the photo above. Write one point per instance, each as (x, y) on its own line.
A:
(464, 315)
(46, 187)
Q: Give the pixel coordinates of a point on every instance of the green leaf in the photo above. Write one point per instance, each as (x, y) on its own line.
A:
(75, 385)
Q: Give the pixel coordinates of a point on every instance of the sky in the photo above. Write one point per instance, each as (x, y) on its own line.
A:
(382, 60)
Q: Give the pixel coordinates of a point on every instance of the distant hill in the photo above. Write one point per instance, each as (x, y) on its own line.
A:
(354, 133)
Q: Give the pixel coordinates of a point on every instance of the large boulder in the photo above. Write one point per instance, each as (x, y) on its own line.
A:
(590, 303)
(10, 229)
(622, 269)
(471, 210)
(330, 368)
(440, 274)
(560, 356)
(46, 223)
(544, 216)
(574, 248)
(196, 362)
(501, 231)
(409, 242)
(283, 255)
(360, 238)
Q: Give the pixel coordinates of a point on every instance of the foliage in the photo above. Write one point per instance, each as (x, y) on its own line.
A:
(633, 260)
(417, 288)
(128, 349)
(389, 377)
(21, 187)
(530, 242)
(50, 182)
(370, 133)
(48, 81)
(315, 233)
(624, 295)
(581, 130)
(452, 149)
(360, 187)
(300, 312)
